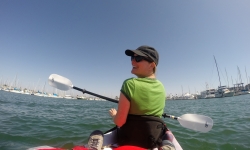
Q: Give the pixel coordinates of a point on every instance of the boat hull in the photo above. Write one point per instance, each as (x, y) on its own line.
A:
(228, 94)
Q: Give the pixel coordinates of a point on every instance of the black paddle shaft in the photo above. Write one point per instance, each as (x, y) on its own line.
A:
(115, 101)
(94, 94)
(169, 116)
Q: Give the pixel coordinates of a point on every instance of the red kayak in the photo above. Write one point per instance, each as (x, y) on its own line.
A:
(84, 148)
(109, 143)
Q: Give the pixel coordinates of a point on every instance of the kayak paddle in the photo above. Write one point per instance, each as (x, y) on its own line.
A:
(191, 121)
(65, 84)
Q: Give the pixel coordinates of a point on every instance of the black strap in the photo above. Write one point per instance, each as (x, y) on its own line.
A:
(112, 129)
(144, 131)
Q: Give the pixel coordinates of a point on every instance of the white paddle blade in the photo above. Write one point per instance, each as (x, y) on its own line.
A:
(196, 122)
(60, 82)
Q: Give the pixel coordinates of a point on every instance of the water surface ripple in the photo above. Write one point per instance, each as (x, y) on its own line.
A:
(29, 121)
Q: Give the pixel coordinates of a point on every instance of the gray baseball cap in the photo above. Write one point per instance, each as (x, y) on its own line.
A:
(145, 51)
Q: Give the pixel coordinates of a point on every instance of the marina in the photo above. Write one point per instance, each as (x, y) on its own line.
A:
(26, 91)
(221, 92)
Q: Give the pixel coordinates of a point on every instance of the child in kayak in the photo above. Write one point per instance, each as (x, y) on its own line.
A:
(141, 105)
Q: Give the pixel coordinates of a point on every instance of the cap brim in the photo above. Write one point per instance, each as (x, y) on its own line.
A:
(129, 52)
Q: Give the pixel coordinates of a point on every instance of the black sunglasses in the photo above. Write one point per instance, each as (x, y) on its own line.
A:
(140, 58)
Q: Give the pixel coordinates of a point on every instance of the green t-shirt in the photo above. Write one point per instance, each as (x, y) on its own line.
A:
(146, 95)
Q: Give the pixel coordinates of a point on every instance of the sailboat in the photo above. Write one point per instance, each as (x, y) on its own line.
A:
(13, 88)
(222, 91)
(239, 87)
(54, 95)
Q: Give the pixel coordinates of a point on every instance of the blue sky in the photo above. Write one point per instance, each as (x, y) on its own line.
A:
(85, 42)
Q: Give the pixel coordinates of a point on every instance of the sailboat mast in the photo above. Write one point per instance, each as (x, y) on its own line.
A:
(239, 74)
(44, 87)
(246, 74)
(240, 84)
(227, 78)
(217, 70)
(182, 90)
(232, 81)
(15, 81)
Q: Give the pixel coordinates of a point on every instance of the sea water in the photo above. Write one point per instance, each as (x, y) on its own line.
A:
(29, 121)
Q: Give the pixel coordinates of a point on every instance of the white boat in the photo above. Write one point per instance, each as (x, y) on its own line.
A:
(68, 97)
(54, 95)
(242, 92)
(38, 94)
(188, 96)
(197, 95)
(15, 91)
(81, 97)
(228, 93)
(28, 92)
(222, 91)
(7, 90)
(45, 94)
(209, 93)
